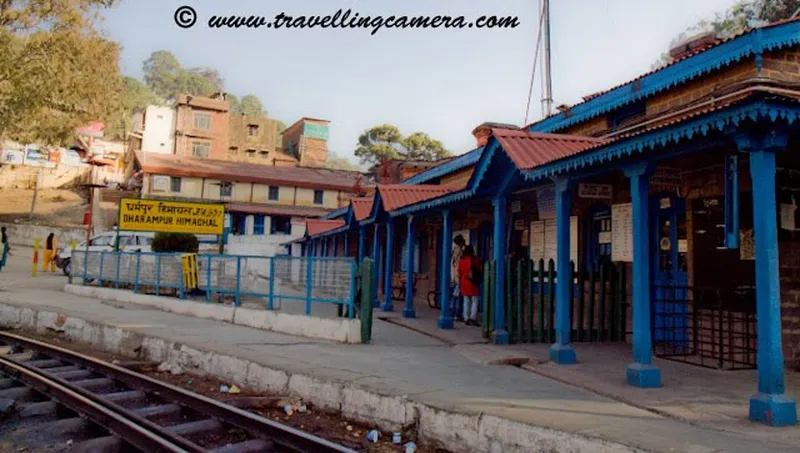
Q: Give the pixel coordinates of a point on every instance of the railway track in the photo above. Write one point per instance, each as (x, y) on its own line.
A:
(108, 408)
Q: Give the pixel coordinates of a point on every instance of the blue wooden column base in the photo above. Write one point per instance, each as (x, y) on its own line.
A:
(445, 320)
(388, 305)
(645, 376)
(561, 352)
(770, 405)
(408, 311)
(499, 333)
(641, 373)
(500, 337)
(773, 410)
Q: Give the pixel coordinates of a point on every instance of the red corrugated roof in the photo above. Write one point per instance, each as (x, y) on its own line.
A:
(531, 149)
(317, 227)
(294, 211)
(362, 207)
(396, 196)
(314, 178)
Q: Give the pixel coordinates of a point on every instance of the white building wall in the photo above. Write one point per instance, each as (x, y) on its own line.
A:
(159, 130)
(267, 244)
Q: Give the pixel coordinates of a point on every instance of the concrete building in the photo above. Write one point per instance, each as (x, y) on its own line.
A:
(154, 130)
(266, 205)
(307, 141)
(256, 139)
(201, 126)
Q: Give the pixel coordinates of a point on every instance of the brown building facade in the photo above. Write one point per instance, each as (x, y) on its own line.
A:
(307, 141)
(201, 127)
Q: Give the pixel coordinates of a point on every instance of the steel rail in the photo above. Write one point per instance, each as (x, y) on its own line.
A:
(116, 423)
(290, 439)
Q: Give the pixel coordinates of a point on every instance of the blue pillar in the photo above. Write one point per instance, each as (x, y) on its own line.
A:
(499, 334)
(732, 201)
(561, 351)
(408, 311)
(641, 373)
(387, 268)
(446, 318)
(770, 405)
(361, 234)
(376, 256)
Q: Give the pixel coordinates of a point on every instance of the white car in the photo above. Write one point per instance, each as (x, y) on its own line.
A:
(128, 242)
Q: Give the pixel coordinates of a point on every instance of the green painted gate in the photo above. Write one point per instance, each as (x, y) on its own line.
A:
(599, 305)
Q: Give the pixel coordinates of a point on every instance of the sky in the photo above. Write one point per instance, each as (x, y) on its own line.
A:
(440, 81)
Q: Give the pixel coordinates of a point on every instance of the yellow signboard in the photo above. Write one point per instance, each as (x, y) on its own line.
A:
(170, 216)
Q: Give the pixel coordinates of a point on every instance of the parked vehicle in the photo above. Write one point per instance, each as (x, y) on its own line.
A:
(128, 241)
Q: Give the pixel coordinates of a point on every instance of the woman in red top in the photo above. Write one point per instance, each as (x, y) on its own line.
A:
(469, 288)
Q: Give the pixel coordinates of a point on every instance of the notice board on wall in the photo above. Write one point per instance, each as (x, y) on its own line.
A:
(543, 240)
(622, 232)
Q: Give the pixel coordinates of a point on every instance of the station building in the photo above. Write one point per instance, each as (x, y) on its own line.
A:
(670, 201)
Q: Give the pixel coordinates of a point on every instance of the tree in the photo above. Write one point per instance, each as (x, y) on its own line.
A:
(136, 97)
(334, 162)
(420, 146)
(279, 137)
(386, 142)
(236, 106)
(741, 16)
(56, 72)
(378, 144)
(251, 106)
(164, 75)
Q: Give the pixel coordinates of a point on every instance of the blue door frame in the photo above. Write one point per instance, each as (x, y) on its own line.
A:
(670, 314)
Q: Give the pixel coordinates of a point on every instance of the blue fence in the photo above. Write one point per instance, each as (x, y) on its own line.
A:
(252, 280)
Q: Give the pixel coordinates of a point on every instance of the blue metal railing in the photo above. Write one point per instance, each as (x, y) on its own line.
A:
(311, 280)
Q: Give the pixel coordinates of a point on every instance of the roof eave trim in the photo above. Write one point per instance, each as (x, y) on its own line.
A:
(670, 135)
(755, 42)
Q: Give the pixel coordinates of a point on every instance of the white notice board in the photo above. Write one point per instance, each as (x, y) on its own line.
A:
(622, 232)
(543, 240)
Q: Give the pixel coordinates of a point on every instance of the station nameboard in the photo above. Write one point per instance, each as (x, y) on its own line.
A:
(170, 216)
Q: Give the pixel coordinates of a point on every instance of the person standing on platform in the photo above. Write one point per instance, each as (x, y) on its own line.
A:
(49, 262)
(5, 248)
(469, 274)
(458, 251)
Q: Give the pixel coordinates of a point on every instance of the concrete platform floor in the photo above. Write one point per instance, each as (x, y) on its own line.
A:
(697, 411)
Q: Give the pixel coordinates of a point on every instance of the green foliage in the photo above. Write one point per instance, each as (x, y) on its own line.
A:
(175, 243)
(136, 96)
(57, 72)
(334, 162)
(385, 142)
(251, 106)
(278, 136)
(741, 16)
(166, 77)
(420, 146)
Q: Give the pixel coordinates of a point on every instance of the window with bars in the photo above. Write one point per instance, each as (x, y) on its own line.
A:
(280, 225)
(202, 120)
(319, 196)
(274, 193)
(201, 149)
(225, 189)
(258, 225)
(174, 184)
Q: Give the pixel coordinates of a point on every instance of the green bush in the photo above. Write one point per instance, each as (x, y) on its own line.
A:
(175, 243)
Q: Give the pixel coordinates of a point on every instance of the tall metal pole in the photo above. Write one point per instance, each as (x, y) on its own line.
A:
(548, 97)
